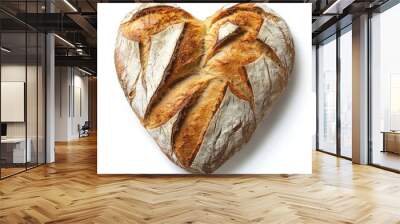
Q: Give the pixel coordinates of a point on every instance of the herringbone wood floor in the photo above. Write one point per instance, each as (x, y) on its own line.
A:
(69, 191)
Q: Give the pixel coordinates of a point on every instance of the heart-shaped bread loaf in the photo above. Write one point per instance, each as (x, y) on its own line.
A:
(200, 88)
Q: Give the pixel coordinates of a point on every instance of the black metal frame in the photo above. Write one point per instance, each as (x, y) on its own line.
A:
(317, 96)
(338, 98)
(44, 70)
(369, 90)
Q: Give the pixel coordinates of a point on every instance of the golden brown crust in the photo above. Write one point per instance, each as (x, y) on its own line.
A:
(201, 69)
(196, 119)
(187, 56)
(174, 99)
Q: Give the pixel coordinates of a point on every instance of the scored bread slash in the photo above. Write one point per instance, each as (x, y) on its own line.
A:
(200, 88)
(231, 124)
(162, 47)
(226, 30)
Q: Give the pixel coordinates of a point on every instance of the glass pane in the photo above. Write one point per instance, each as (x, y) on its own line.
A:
(23, 90)
(327, 97)
(41, 99)
(31, 100)
(13, 89)
(31, 88)
(346, 94)
(386, 89)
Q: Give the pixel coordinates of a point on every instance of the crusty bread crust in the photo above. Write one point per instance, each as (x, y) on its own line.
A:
(234, 64)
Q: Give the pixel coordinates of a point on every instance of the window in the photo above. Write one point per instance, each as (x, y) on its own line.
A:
(394, 102)
(385, 89)
(22, 77)
(327, 96)
(346, 93)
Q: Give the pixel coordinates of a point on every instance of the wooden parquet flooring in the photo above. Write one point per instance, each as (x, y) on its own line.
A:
(70, 191)
(5, 172)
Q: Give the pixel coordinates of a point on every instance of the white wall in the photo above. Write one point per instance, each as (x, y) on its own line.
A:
(70, 84)
(80, 84)
(34, 125)
(62, 81)
(16, 72)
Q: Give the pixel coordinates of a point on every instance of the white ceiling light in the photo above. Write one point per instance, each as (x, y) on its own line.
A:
(79, 51)
(338, 6)
(84, 71)
(65, 41)
(5, 50)
(70, 5)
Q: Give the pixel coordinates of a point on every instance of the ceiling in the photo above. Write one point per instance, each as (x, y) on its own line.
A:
(75, 28)
(75, 22)
(329, 16)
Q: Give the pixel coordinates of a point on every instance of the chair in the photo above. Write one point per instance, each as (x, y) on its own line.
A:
(84, 130)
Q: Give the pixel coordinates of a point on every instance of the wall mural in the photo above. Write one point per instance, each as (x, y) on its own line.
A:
(201, 87)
